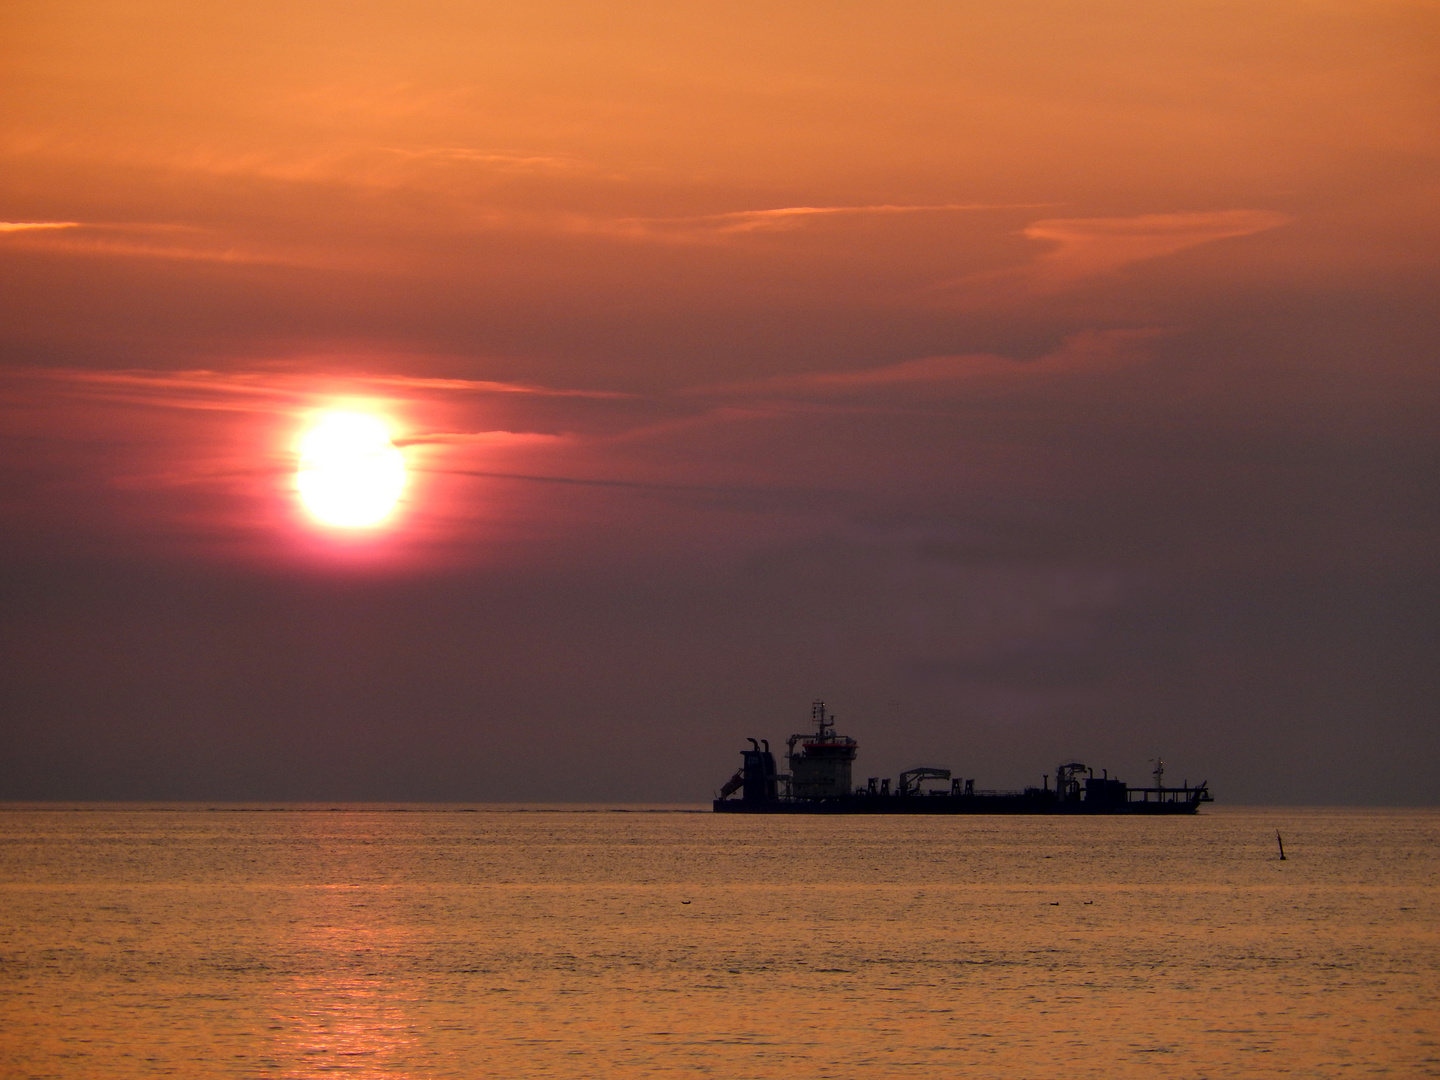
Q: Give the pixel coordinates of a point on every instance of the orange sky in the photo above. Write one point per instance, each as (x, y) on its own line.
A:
(1006, 335)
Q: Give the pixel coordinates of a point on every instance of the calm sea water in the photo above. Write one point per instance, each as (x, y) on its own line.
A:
(433, 942)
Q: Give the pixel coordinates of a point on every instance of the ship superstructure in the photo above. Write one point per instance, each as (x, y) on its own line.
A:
(821, 770)
(819, 782)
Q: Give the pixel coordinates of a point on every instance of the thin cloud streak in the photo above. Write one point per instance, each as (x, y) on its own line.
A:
(484, 386)
(30, 226)
(1088, 351)
(1090, 246)
(1083, 249)
(155, 240)
(699, 227)
(502, 158)
(272, 392)
(588, 481)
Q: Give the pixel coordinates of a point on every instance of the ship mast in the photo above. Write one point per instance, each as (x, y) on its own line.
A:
(824, 723)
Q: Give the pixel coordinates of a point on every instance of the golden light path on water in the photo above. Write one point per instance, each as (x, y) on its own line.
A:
(351, 474)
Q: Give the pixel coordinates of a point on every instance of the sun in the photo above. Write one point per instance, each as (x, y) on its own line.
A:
(350, 474)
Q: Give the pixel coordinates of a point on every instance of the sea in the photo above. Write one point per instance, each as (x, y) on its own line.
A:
(400, 941)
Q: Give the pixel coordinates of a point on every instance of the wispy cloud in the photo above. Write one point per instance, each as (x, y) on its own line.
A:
(32, 226)
(701, 227)
(479, 439)
(1081, 249)
(483, 386)
(153, 240)
(1085, 247)
(207, 243)
(502, 159)
(1089, 351)
(264, 391)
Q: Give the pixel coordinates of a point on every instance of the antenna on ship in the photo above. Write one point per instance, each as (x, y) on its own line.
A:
(822, 722)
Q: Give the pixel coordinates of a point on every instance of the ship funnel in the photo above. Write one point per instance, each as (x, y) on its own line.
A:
(758, 776)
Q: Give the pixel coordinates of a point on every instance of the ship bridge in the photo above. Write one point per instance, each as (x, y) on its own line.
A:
(821, 768)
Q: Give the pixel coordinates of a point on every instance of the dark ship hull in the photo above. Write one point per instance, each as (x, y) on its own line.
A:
(819, 783)
(1177, 801)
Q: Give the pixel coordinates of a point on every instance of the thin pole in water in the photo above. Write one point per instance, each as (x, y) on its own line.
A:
(1281, 843)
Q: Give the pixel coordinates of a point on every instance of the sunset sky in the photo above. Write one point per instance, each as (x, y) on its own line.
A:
(1030, 380)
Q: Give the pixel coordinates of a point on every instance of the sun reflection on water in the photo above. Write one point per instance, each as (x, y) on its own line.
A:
(344, 1010)
(335, 1024)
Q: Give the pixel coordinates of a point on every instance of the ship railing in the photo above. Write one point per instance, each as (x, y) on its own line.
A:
(1166, 794)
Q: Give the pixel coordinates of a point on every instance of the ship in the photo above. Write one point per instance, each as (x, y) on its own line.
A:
(819, 782)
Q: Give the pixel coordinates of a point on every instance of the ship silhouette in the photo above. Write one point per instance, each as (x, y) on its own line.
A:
(819, 782)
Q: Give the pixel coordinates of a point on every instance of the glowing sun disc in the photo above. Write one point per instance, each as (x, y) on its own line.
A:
(351, 474)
